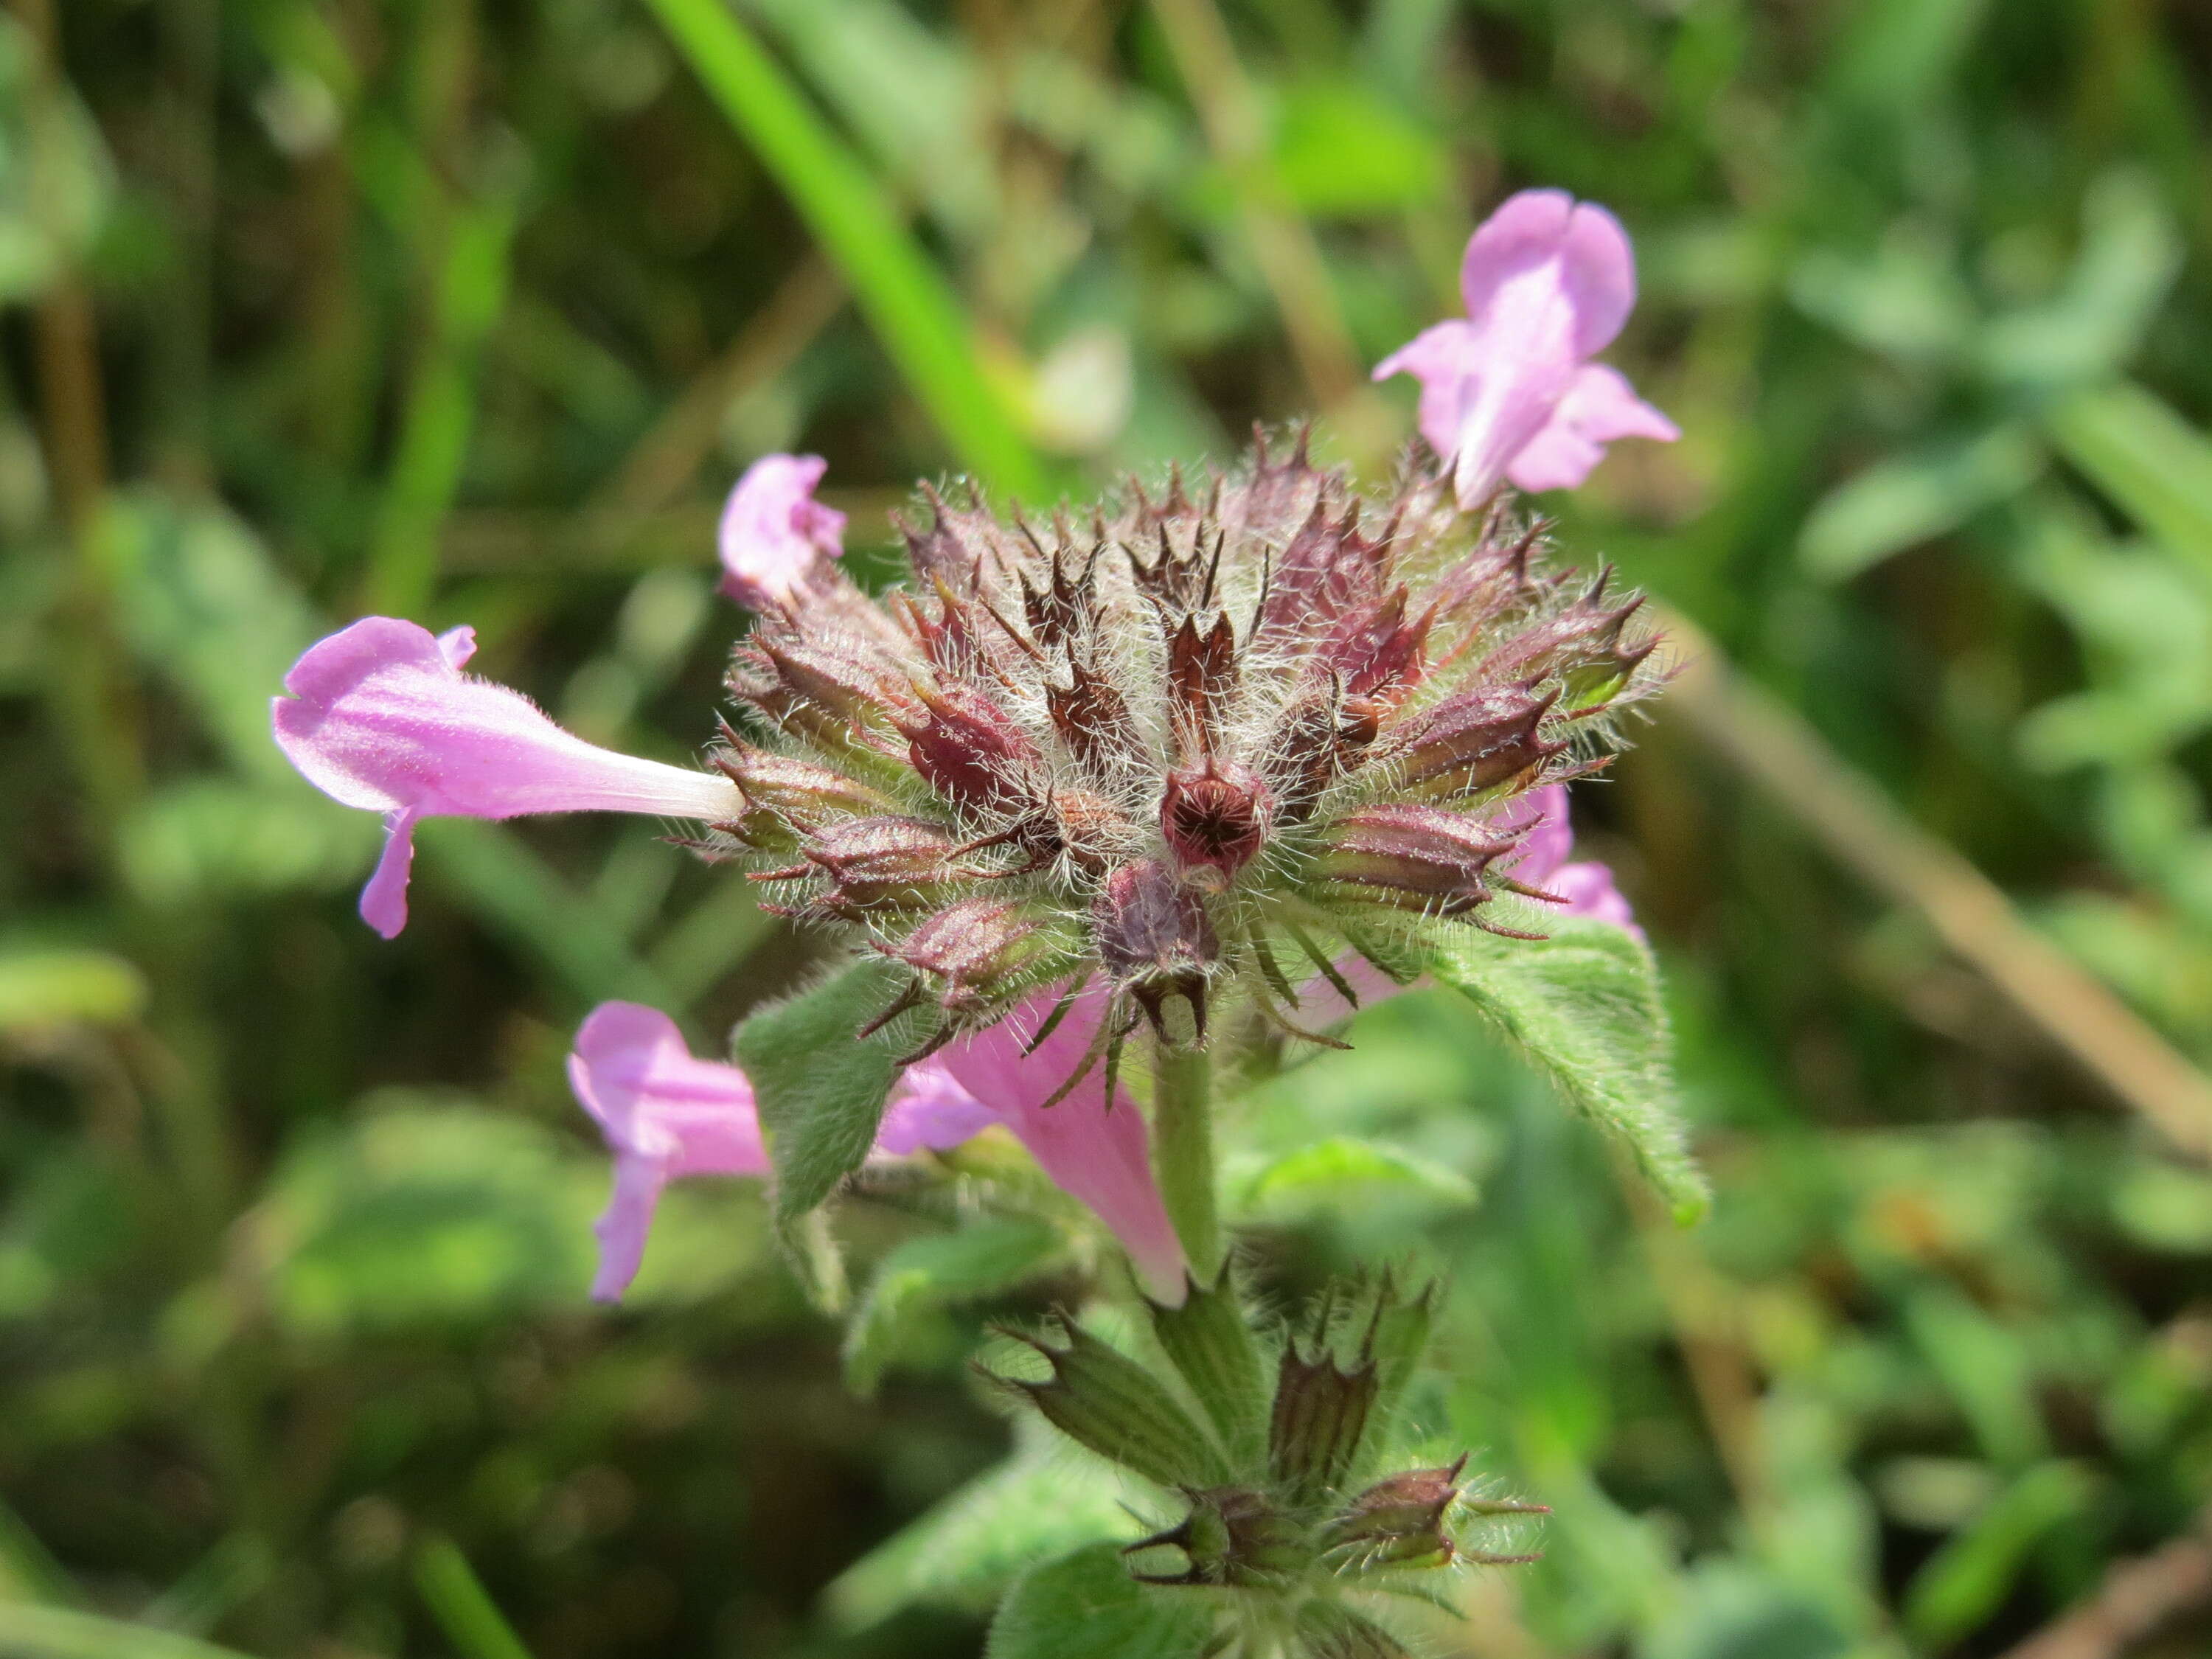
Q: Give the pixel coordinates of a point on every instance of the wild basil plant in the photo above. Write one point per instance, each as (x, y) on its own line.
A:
(1096, 805)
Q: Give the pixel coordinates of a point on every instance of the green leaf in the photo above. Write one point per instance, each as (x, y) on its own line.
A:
(426, 1216)
(2155, 465)
(1087, 1607)
(462, 1605)
(1344, 1173)
(906, 298)
(44, 988)
(1047, 1498)
(1583, 1004)
(821, 1092)
(1963, 1582)
(924, 1275)
(35, 1633)
(1341, 148)
(1914, 497)
(2130, 254)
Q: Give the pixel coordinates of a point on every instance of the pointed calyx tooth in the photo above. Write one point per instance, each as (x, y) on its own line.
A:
(1215, 818)
(1375, 650)
(1092, 718)
(1321, 735)
(1419, 857)
(1061, 603)
(1201, 680)
(969, 749)
(1470, 744)
(980, 951)
(1107, 1403)
(1233, 1537)
(1156, 941)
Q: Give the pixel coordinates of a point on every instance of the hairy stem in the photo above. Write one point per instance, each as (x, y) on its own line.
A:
(1182, 1151)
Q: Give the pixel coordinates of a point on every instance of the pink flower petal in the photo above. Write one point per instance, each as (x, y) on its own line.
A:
(1576, 251)
(1588, 891)
(381, 717)
(1549, 838)
(1600, 407)
(930, 1109)
(384, 900)
(776, 539)
(633, 1073)
(664, 1114)
(624, 1224)
(1507, 394)
(458, 645)
(1445, 359)
(1584, 888)
(667, 1114)
(1099, 1156)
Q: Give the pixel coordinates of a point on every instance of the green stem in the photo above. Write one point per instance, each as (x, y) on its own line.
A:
(1182, 1152)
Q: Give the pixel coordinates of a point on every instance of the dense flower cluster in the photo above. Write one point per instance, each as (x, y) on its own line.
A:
(1228, 744)
(1160, 748)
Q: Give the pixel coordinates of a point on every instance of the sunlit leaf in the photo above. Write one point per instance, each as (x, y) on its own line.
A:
(1583, 1004)
(1087, 1607)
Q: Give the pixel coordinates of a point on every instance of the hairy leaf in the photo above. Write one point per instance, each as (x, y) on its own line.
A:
(1584, 1005)
(821, 1092)
(924, 1275)
(1087, 1607)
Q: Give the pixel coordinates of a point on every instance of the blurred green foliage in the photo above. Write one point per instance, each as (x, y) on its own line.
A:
(471, 310)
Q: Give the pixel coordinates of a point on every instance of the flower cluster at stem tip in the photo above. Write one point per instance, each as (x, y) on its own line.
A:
(1210, 758)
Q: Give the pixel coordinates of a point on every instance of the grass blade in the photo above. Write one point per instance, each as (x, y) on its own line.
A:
(904, 297)
(462, 1605)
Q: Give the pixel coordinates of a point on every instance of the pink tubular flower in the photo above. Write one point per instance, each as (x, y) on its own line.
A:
(1510, 392)
(381, 717)
(1098, 1155)
(775, 537)
(666, 1113)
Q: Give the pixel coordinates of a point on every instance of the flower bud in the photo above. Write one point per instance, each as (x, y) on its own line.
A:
(979, 951)
(1400, 1521)
(969, 749)
(1215, 817)
(786, 799)
(1420, 858)
(879, 866)
(1472, 742)
(1155, 939)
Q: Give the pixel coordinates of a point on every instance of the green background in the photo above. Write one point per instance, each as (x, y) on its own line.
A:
(472, 309)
